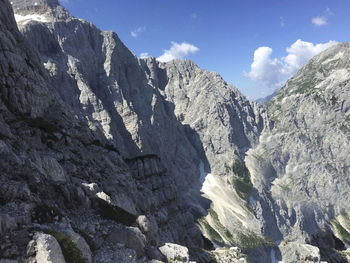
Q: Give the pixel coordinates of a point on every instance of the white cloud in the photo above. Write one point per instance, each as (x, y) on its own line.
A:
(144, 55)
(135, 33)
(178, 51)
(319, 21)
(273, 72)
(322, 20)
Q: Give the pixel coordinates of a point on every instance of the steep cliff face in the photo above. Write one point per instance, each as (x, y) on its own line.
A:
(221, 125)
(64, 179)
(147, 107)
(95, 147)
(300, 168)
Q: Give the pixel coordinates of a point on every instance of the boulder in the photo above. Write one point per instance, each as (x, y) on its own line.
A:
(149, 227)
(174, 252)
(47, 249)
(131, 237)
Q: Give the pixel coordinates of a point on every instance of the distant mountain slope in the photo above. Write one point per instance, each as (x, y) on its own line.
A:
(262, 101)
(301, 166)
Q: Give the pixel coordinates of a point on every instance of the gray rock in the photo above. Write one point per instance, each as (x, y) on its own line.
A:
(174, 252)
(78, 240)
(6, 223)
(47, 249)
(131, 237)
(293, 252)
(149, 227)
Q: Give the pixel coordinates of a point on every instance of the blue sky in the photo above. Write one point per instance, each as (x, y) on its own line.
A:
(223, 35)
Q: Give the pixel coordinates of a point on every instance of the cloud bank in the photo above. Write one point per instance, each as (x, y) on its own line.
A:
(273, 72)
(177, 51)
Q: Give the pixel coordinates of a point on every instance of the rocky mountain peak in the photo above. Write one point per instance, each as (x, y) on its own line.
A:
(38, 10)
(32, 6)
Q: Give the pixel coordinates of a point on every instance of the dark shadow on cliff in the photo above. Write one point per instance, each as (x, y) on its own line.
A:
(159, 131)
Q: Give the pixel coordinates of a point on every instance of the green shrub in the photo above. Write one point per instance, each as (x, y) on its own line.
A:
(213, 234)
(86, 237)
(71, 252)
(251, 241)
(341, 230)
(243, 187)
(239, 168)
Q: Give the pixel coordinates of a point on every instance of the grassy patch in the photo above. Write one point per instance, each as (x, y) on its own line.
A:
(251, 241)
(211, 232)
(243, 187)
(241, 182)
(345, 235)
(85, 236)
(223, 231)
(239, 168)
(71, 252)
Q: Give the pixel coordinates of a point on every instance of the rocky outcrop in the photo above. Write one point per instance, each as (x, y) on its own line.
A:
(300, 166)
(175, 253)
(153, 114)
(56, 167)
(45, 248)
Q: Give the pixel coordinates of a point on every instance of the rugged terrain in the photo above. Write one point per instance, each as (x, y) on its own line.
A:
(300, 168)
(109, 158)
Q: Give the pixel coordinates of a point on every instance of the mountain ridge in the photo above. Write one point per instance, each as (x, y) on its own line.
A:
(130, 154)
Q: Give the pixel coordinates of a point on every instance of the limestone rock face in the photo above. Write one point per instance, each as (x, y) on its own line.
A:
(47, 249)
(154, 114)
(296, 252)
(175, 252)
(300, 166)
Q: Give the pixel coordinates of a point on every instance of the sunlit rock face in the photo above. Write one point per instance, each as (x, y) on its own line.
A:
(148, 107)
(300, 168)
(93, 140)
(131, 154)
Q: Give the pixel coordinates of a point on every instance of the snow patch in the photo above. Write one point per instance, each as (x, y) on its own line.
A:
(215, 189)
(26, 19)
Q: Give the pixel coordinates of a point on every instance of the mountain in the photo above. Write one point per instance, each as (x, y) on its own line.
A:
(132, 145)
(109, 158)
(300, 167)
(262, 101)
